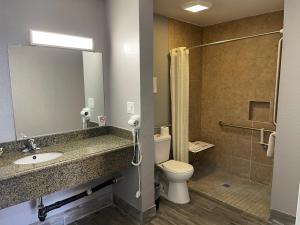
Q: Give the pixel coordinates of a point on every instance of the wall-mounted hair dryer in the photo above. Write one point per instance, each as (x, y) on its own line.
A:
(85, 115)
(134, 122)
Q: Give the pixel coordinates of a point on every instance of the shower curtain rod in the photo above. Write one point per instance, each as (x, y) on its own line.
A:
(236, 39)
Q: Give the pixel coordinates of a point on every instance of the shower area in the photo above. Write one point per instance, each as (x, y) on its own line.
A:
(231, 99)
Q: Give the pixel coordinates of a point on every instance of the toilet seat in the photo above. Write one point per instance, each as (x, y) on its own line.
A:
(177, 166)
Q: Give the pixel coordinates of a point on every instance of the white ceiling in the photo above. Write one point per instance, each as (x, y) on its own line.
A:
(221, 11)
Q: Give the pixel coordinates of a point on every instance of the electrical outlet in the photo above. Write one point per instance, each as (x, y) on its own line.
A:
(130, 107)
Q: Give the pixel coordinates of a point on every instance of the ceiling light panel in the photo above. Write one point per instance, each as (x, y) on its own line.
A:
(196, 6)
(60, 40)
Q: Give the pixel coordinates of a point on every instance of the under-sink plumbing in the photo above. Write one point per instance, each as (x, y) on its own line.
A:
(43, 210)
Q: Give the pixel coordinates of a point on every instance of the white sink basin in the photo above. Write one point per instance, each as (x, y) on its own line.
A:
(38, 158)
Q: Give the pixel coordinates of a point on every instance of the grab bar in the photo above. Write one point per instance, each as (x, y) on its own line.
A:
(275, 107)
(222, 124)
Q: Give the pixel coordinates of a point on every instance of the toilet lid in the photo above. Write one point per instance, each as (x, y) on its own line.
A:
(176, 166)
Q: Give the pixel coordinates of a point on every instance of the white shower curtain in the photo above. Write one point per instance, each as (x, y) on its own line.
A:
(179, 79)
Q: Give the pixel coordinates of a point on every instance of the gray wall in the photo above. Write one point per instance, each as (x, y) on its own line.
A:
(124, 71)
(124, 81)
(161, 71)
(43, 80)
(17, 17)
(130, 67)
(76, 17)
(130, 74)
(286, 175)
(147, 105)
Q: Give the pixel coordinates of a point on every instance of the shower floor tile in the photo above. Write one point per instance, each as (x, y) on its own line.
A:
(240, 193)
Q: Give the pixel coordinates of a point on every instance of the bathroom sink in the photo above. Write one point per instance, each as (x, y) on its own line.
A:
(38, 158)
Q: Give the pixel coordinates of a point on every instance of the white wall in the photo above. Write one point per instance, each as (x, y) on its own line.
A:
(76, 17)
(286, 175)
(131, 80)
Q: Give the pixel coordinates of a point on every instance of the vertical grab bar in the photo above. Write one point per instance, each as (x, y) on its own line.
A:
(275, 107)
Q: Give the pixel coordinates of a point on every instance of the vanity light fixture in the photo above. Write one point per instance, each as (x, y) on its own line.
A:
(60, 40)
(196, 6)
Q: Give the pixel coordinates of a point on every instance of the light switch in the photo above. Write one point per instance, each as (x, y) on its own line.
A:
(130, 107)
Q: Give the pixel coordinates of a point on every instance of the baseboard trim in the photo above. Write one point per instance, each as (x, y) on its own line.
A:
(281, 218)
(136, 216)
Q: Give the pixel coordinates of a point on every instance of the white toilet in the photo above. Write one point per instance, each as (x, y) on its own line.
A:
(176, 172)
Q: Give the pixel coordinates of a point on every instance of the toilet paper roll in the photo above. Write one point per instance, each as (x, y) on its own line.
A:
(164, 131)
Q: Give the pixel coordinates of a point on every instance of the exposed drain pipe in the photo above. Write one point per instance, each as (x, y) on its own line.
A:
(43, 210)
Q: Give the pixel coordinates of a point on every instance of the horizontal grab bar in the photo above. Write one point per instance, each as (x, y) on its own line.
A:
(222, 124)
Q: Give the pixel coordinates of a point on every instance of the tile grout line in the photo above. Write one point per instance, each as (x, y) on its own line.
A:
(232, 197)
(251, 152)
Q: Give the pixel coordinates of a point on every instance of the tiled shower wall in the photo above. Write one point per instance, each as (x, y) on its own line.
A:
(238, 80)
(224, 81)
(187, 35)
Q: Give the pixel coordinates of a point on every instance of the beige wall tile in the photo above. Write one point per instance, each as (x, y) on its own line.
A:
(243, 27)
(195, 110)
(162, 112)
(185, 35)
(235, 141)
(223, 80)
(223, 161)
(233, 74)
(261, 173)
(195, 65)
(240, 167)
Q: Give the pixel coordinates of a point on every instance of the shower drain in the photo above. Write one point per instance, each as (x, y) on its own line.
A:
(226, 185)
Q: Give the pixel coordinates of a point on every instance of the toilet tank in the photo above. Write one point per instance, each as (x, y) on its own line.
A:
(162, 146)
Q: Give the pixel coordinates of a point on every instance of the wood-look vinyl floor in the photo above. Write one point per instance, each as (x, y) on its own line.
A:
(200, 211)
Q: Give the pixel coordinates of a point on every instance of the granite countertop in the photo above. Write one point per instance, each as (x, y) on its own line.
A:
(73, 151)
(87, 155)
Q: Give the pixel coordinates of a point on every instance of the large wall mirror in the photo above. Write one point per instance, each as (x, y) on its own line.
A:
(55, 90)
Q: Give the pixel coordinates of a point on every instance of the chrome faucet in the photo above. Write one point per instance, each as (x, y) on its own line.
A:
(29, 145)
